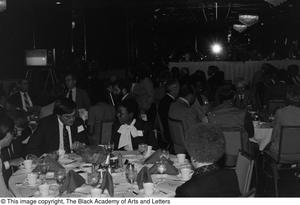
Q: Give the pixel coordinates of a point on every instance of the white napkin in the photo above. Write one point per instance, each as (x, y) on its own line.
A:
(126, 132)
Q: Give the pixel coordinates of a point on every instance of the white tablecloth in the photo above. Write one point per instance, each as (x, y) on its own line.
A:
(262, 136)
(166, 188)
(233, 69)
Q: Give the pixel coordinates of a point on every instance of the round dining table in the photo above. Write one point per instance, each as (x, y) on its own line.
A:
(164, 185)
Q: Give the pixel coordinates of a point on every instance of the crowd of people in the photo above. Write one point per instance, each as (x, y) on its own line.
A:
(139, 108)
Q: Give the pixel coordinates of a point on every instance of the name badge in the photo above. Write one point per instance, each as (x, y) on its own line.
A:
(80, 129)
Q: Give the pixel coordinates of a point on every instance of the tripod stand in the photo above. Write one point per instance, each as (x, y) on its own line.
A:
(51, 78)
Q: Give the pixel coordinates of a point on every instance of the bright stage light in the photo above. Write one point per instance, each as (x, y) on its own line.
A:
(216, 48)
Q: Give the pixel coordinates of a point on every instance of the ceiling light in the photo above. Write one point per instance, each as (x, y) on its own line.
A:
(248, 20)
(216, 48)
(2, 5)
(239, 27)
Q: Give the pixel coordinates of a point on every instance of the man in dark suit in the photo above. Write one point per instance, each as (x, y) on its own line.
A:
(60, 131)
(172, 90)
(21, 99)
(128, 115)
(205, 144)
(77, 95)
(215, 80)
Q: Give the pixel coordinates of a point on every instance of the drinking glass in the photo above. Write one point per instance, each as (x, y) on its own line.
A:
(131, 174)
(161, 168)
(109, 147)
(60, 176)
(93, 179)
(44, 167)
(142, 148)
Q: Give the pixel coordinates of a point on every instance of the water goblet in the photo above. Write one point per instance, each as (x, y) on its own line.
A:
(60, 176)
(142, 148)
(161, 168)
(131, 174)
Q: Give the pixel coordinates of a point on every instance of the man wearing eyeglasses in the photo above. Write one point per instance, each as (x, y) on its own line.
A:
(60, 131)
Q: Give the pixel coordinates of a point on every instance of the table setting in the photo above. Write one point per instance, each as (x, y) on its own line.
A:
(98, 171)
(263, 126)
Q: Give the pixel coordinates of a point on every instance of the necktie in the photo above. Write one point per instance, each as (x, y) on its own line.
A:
(66, 140)
(26, 101)
(70, 95)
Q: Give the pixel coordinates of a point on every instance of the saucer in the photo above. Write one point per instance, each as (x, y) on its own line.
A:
(51, 194)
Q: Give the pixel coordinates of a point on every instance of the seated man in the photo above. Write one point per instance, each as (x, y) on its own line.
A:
(21, 99)
(129, 131)
(60, 131)
(205, 144)
(181, 109)
(242, 97)
(6, 136)
(77, 95)
(226, 114)
(287, 116)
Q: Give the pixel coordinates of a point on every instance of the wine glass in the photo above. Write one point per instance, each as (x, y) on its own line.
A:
(60, 176)
(109, 147)
(142, 148)
(131, 175)
(93, 179)
(161, 168)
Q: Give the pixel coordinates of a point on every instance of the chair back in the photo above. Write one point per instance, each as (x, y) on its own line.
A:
(106, 131)
(289, 144)
(275, 104)
(233, 143)
(177, 135)
(244, 169)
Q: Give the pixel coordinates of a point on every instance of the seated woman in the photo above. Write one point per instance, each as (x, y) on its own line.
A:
(206, 145)
(287, 116)
(129, 131)
(6, 136)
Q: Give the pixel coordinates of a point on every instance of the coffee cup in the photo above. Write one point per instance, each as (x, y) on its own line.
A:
(32, 179)
(186, 173)
(44, 190)
(27, 164)
(181, 158)
(96, 192)
(148, 188)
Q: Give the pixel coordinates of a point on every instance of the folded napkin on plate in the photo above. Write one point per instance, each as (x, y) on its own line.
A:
(154, 157)
(107, 183)
(170, 169)
(143, 177)
(53, 166)
(73, 180)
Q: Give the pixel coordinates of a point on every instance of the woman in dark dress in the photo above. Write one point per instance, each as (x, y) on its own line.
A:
(129, 131)
(206, 145)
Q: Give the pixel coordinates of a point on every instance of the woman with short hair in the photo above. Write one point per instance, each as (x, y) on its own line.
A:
(205, 144)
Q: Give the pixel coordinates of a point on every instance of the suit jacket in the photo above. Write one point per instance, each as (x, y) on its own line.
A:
(288, 116)
(16, 100)
(210, 181)
(147, 138)
(225, 115)
(82, 99)
(163, 111)
(97, 114)
(179, 110)
(45, 139)
(6, 155)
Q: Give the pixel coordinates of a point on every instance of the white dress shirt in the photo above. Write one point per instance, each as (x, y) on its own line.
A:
(73, 94)
(23, 94)
(61, 135)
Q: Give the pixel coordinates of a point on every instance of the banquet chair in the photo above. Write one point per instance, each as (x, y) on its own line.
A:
(105, 132)
(274, 104)
(288, 152)
(244, 170)
(233, 143)
(177, 135)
